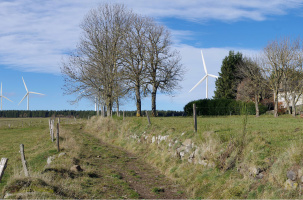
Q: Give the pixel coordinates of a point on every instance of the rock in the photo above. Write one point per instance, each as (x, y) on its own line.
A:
(182, 133)
(254, 171)
(153, 139)
(162, 138)
(292, 175)
(7, 195)
(259, 176)
(61, 154)
(289, 185)
(191, 157)
(203, 162)
(182, 154)
(76, 168)
(187, 143)
(50, 159)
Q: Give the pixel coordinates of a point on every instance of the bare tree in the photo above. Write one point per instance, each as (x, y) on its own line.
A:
(96, 63)
(121, 53)
(253, 83)
(134, 67)
(293, 75)
(163, 65)
(278, 56)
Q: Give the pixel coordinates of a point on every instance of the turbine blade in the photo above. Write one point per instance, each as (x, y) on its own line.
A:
(25, 85)
(36, 93)
(23, 98)
(213, 76)
(203, 62)
(198, 83)
(7, 98)
(1, 89)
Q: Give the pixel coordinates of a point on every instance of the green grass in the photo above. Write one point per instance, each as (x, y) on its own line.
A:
(272, 144)
(37, 145)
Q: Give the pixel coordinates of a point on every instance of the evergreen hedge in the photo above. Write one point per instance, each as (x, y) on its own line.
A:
(214, 107)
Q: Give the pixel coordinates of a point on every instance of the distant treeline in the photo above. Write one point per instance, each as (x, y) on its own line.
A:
(75, 113)
(46, 113)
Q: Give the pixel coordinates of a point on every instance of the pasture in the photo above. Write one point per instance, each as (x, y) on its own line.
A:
(234, 148)
(271, 144)
(33, 133)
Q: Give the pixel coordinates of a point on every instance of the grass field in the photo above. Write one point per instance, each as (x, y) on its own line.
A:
(30, 132)
(271, 144)
(107, 172)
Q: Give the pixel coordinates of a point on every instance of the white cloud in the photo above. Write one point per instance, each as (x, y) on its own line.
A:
(35, 34)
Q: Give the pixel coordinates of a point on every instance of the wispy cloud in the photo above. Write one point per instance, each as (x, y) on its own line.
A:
(35, 34)
(220, 10)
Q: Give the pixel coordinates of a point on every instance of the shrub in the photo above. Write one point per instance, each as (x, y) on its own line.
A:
(222, 107)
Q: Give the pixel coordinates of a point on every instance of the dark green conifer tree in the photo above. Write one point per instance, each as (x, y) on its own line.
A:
(226, 84)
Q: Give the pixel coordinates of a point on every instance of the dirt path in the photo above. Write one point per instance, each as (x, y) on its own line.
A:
(135, 179)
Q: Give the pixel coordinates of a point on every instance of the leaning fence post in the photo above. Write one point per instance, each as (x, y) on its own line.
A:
(23, 160)
(58, 147)
(3, 164)
(195, 116)
(147, 117)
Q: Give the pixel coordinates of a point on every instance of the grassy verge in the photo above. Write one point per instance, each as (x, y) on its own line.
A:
(269, 146)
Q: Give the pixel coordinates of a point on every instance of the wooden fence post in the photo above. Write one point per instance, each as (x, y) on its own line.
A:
(58, 147)
(52, 130)
(147, 117)
(49, 125)
(23, 160)
(195, 116)
(3, 164)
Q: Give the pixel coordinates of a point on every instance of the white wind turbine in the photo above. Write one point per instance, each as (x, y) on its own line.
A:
(3, 96)
(205, 77)
(27, 94)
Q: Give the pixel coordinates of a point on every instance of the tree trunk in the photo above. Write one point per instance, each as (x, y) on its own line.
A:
(287, 102)
(108, 105)
(102, 110)
(138, 101)
(276, 103)
(118, 114)
(293, 101)
(257, 105)
(154, 93)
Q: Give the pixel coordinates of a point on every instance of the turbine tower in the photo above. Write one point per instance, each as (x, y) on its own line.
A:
(3, 96)
(27, 94)
(205, 77)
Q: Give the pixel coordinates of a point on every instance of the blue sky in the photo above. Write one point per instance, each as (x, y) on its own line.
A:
(36, 35)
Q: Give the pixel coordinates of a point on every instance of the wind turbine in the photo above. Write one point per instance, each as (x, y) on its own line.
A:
(27, 94)
(205, 77)
(3, 96)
